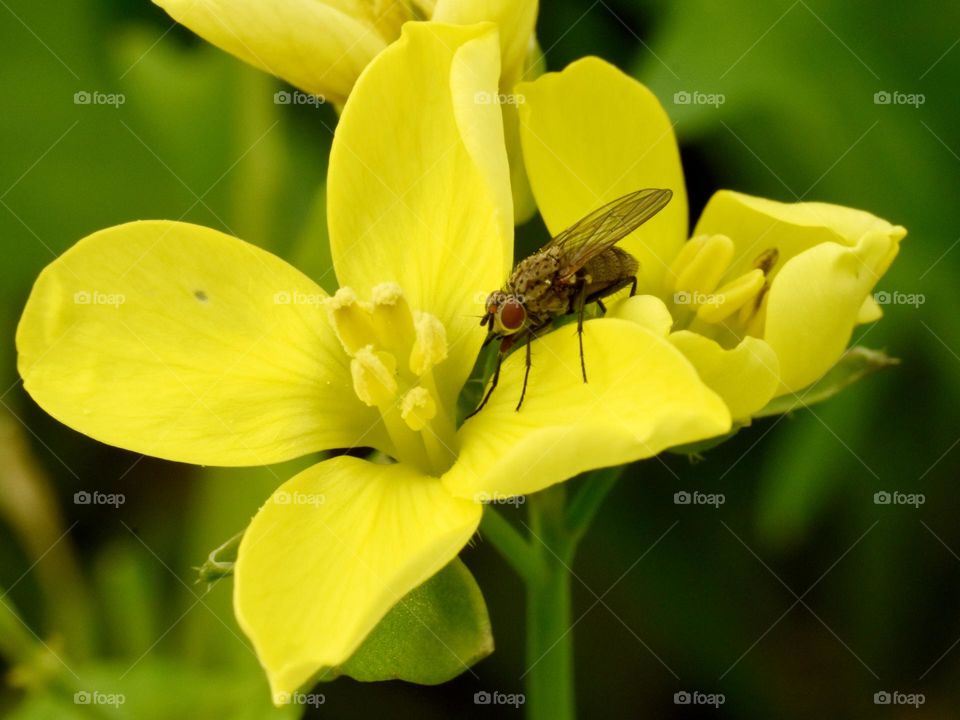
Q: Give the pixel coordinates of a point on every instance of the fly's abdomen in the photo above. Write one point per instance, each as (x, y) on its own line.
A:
(609, 267)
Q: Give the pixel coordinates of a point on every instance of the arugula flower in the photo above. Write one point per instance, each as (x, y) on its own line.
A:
(763, 298)
(181, 342)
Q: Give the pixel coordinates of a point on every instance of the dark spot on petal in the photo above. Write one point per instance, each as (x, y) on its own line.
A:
(200, 295)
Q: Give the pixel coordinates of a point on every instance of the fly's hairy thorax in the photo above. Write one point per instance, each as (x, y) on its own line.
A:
(535, 281)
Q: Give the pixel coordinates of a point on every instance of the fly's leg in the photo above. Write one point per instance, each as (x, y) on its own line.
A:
(581, 304)
(598, 296)
(493, 385)
(526, 374)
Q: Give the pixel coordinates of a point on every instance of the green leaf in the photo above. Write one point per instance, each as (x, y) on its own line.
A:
(856, 364)
(435, 633)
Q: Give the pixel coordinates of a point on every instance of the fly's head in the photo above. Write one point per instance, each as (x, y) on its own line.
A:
(505, 315)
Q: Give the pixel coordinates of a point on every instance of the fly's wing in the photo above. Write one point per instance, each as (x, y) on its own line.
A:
(605, 227)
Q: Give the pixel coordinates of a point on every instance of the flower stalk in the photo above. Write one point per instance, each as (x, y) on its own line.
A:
(544, 561)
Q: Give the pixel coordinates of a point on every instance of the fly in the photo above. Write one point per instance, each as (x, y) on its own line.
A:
(578, 267)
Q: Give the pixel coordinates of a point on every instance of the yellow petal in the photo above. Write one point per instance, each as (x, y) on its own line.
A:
(870, 311)
(419, 188)
(746, 377)
(592, 134)
(756, 224)
(321, 47)
(829, 259)
(642, 396)
(815, 303)
(331, 552)
(181, 342)
(647, 311)
(515, 20)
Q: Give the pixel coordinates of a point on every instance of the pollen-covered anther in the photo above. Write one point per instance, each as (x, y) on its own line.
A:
(351, 320)
(430, 345)
(701, 264)
(391, 317)
(418, 408)
(374, 376)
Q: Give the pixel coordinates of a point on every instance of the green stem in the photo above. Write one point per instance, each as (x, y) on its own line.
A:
(544, 562)
(511, 544)
(593, 491)
(549, 673)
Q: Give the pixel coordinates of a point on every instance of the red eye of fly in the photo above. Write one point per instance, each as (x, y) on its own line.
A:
(512, 315)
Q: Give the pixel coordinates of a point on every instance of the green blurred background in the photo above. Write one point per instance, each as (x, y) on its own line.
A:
(799, 597)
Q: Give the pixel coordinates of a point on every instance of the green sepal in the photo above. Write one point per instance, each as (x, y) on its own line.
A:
(856, 364)
(433, 635)
(219, 563)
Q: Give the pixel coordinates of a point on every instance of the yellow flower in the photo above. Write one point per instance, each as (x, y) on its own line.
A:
(763, 298)
(322, 46)
(212, 351)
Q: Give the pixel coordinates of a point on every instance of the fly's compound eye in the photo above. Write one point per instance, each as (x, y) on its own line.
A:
(510, 316)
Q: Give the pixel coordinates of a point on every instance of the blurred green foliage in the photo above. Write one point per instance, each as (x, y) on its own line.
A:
(672, 597)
